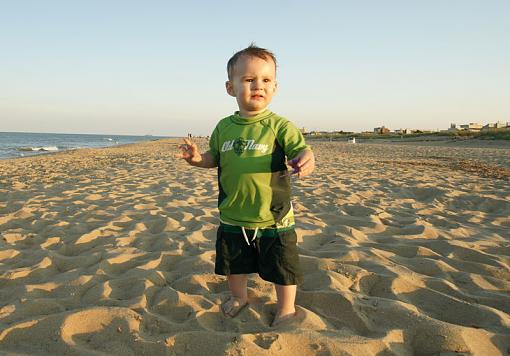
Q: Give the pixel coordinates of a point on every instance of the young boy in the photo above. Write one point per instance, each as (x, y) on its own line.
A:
(256, 232)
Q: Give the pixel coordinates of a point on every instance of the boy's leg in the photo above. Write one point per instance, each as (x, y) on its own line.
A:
(286, 307)
(237, 283)
(279, 263)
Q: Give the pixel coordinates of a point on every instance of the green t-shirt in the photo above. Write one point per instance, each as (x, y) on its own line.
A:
(253, 180)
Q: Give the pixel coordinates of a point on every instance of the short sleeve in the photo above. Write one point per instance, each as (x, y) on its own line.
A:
(291, 139)
(214, 148)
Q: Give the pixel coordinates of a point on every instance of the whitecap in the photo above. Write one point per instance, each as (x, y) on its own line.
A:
(38, 149)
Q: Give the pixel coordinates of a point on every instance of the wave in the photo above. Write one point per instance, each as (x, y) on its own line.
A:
(39, 149)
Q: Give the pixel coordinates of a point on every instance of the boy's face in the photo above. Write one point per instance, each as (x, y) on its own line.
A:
(252, 83)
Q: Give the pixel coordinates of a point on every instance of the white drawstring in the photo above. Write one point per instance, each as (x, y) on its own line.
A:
(246, 237)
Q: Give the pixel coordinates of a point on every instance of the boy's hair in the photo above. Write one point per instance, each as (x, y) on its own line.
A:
(251, 51)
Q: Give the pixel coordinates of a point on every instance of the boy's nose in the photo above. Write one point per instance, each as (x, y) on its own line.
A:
(258, 84)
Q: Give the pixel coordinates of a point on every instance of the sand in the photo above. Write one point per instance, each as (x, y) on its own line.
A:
(405, 248)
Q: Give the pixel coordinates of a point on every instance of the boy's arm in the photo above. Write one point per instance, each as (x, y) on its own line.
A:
(189, 153)
(303, 163)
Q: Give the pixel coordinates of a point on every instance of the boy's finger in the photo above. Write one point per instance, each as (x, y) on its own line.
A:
(293, 163)
(189, 143)
(184, 153)
(303, 173)
(183, 147)
(301, 163)
(307, 164)
(306, 169)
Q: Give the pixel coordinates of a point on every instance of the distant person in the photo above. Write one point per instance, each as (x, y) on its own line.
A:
(250, 147)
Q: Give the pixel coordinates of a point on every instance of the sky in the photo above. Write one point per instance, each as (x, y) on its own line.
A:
(158, 67)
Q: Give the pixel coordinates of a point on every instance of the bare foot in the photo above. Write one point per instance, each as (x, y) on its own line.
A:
(279, 319)
(233, 306)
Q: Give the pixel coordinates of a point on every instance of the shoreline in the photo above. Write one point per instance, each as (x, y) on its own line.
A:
(20, 145)
(70, 151)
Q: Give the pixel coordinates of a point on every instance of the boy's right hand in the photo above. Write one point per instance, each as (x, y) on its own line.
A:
(189, 153)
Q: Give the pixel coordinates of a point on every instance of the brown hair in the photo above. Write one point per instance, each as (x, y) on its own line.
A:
(252, 51)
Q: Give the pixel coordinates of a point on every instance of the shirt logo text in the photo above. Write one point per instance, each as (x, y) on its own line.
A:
(240, 145)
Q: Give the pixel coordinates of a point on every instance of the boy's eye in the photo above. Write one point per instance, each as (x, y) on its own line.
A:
(267, 80)
(249, 80)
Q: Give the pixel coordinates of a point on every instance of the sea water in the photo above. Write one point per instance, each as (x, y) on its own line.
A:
(21, 144)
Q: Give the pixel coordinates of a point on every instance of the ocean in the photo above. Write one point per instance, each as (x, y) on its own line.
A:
(22, 144)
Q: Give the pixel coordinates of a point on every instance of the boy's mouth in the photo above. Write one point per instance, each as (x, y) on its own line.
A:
(257, 97)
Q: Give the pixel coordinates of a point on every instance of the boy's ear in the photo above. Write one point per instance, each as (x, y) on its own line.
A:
(275, 86)
(230, 88)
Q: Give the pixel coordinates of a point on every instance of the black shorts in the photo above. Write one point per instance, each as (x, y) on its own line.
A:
(273, 255)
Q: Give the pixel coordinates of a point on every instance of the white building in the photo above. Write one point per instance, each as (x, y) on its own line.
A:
(403, 131)
(496, 125)
(472, 126)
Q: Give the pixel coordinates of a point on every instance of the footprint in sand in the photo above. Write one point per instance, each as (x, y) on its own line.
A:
(266, 341)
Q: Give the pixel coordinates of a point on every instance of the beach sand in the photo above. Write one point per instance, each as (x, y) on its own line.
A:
(405, 248)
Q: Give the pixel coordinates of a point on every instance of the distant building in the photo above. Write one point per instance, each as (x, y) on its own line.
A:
(381, 130)
(496, 125)
(403, 131)
(472, 126)
(303, 130)
(453, 127)
(316, 133)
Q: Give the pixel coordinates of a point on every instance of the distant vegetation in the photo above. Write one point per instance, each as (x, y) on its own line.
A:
(492, 134)
(496, 134)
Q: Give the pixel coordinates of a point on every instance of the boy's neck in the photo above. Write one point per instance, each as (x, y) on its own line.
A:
(250, 114)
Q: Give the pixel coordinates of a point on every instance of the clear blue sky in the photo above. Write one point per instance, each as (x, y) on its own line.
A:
(158, 67)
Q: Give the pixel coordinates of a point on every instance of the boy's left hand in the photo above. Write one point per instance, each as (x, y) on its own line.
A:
(303, 163)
